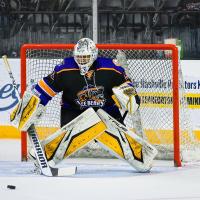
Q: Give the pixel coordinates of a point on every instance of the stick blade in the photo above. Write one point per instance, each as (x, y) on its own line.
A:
(64, 171)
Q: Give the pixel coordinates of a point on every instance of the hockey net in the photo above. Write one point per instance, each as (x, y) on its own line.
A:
(163, 118)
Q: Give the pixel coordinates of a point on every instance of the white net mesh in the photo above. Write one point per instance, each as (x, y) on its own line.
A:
(151, 74)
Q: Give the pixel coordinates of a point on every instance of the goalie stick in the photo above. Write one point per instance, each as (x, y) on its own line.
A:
(45, 168)
(8, 68)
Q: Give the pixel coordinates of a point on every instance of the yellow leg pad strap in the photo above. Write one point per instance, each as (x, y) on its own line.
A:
(112, 142)
(81, 139)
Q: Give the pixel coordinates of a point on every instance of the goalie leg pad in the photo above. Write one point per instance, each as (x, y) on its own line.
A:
(113, 142)
(73, 136)
(125, 144)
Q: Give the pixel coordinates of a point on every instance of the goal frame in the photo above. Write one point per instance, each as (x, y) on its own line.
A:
(175, 83)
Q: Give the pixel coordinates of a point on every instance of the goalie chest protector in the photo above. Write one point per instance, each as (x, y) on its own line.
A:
(83, 91)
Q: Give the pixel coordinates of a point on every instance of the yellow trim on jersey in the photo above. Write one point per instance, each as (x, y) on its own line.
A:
(111, 69)
(46, 88)
(63, 70)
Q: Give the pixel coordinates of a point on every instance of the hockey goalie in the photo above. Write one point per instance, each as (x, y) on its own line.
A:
(95, 89)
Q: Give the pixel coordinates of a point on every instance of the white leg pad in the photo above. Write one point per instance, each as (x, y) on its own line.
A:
(125, 137)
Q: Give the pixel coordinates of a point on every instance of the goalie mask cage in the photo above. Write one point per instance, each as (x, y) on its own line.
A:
(163, 117)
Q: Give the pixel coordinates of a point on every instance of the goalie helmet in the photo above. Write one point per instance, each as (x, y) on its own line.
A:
(85, 53)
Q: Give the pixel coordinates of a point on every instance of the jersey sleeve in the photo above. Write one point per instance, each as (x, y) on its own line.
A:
(48, 87)
(124, 78)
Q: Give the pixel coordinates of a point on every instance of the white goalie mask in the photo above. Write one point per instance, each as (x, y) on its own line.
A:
(85, 53)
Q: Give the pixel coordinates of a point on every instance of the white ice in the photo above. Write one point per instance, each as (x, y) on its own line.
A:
(96, 179)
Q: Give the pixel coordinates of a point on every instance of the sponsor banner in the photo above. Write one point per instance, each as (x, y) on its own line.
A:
(191, 74)
(8, 99)
(165, 100)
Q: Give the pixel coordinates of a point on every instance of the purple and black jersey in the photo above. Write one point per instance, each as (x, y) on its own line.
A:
(81, 92)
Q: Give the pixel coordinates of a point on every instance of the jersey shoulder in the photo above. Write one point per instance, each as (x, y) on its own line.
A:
(108, 64)
(68, 64)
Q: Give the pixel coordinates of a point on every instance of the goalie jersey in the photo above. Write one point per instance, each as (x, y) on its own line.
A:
(94, 89)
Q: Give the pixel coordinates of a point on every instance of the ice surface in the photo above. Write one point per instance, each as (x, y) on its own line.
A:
(98, 179)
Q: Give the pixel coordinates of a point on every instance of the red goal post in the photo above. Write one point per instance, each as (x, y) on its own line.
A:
(136, 47)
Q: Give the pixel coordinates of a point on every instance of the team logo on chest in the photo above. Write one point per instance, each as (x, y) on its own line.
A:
(91, 96)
